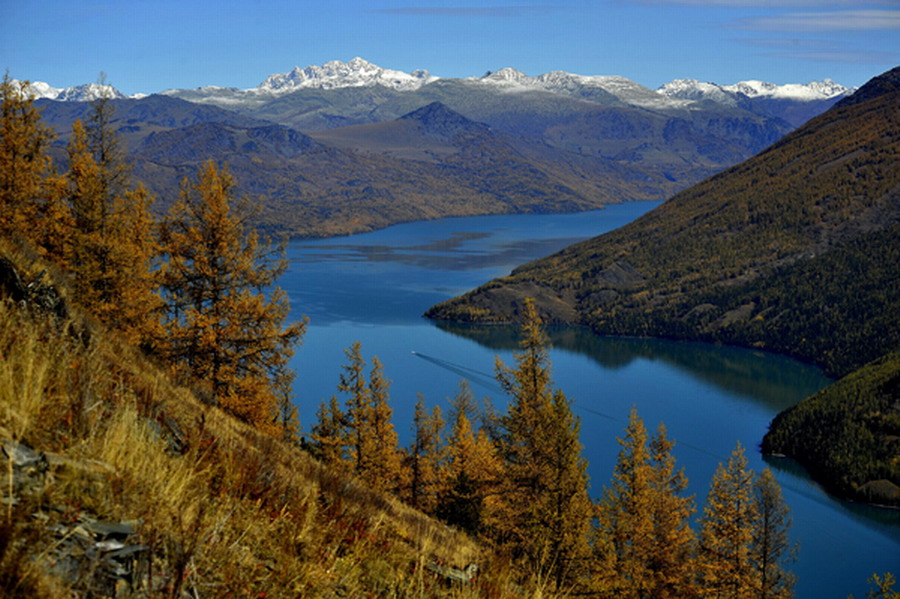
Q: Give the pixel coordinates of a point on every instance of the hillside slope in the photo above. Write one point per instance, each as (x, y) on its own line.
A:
(118, 481)
(848, 434)
(430, 163)
(794, 250)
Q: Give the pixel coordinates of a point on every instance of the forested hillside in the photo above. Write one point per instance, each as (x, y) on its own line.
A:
(152, 448)
(796, 251)
(814, 214)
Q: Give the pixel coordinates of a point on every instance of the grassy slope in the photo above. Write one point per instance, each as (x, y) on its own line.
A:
(229, 511)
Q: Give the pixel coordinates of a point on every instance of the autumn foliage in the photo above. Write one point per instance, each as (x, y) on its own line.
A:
(220, 326)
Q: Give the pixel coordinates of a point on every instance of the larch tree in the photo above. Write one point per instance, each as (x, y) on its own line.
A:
(474, 471)
(727, 530)
(221, 328)
(548, 509)
(32, 203)
(358, 414)
(287, 418)
(329, 434)
(113, 243)
(671, 557)
(425, 458)
(771, 549)
(626, 514)
(383, 469)
(644, 520)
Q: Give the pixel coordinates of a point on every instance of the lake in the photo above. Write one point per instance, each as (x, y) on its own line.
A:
(374, 287)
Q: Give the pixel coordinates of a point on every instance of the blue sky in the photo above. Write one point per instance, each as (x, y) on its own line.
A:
(152, 45)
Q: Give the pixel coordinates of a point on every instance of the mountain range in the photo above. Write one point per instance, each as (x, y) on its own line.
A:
(796, 250)
(549, 143)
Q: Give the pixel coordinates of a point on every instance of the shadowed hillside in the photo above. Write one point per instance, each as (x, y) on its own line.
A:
(787, 251)
(795, 251)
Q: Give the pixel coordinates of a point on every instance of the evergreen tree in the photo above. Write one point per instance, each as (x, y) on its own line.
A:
(220, 326)
(771, 549)
(425, 458)
(548, 510)
(727, 531)
(32, 205)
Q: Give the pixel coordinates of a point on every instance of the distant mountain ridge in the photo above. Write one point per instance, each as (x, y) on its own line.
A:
(745, 256)
(359, 72)
(504, 142)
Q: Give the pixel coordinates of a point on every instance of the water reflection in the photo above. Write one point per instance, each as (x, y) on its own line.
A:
(769, 380)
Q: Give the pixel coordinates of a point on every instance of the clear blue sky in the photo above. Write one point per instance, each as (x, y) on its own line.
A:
(151, 45)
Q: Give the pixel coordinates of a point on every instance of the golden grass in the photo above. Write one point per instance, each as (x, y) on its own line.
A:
(226, 511)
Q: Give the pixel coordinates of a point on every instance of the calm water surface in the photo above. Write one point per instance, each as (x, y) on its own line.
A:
(374, 287)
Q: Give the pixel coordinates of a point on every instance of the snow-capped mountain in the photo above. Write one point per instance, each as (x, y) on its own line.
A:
(692, 89)
(78, 93)
(571, 84)
(359, 73)
(337, 74)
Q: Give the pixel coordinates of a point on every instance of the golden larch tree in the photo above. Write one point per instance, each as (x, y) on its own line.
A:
(548, 509)
(470, 496)
(329, 434)
(32, 203)
(425, 457)
(727, 528)
(113, 245)
(625, 515)
(221, 328)
(358, 413)
(671, 553)
(771, 549)
(383, 469)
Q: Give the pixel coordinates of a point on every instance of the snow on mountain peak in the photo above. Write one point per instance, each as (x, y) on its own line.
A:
(692, 89)
(336, 74)
(814, 90)
(592, 87)
(506, 76)
(79, 93)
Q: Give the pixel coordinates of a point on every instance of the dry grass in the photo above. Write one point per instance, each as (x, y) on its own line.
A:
(224, 510)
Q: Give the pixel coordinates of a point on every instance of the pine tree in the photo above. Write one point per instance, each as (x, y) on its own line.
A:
(771, 549)
(220, 326)
(548, 508)
(32, 205)
(425, 458)
(727, 530)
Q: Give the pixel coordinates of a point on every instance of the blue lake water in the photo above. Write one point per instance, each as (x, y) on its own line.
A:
(374, 287)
